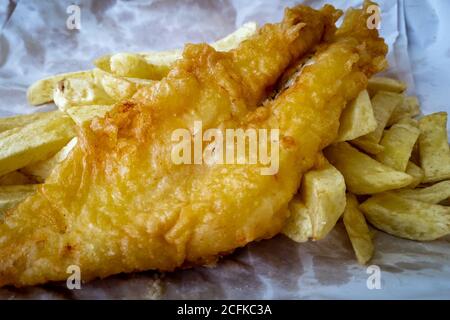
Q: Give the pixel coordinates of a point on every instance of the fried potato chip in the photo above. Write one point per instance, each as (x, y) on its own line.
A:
(118, 88)
(364, 175)
(22, 120)
(398, 143)
(377, 84)
(416, 172)
(318, 206)
(36, 141)
(357, 119)
(156, 65)
(164, 60)
(41, 170)
(15, 178)
(384, 103)
(434, 149)
(230, 42)
(323, 192)
(41, 91)
(10, 196)
(233, 40)
(298, 226)
(80, 92)
(407, 218)
(135, 66)
(150, 65)
(83, 114)
(434, 194)
(408, 109)
(102, 63)
(358, 230)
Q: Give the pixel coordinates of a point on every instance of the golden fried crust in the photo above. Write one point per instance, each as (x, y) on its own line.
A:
(119, 204)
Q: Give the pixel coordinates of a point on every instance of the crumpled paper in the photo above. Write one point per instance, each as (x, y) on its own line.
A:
(34, 43)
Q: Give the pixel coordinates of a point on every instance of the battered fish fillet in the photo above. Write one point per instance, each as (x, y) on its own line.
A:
(119, 204)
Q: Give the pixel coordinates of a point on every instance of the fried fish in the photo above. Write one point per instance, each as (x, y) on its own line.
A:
(119, 204)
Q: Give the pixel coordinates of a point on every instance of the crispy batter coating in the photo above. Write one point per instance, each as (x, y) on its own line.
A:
(119, 204)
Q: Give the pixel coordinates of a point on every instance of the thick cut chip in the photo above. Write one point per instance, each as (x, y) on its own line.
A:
(357, 119)
(153, 65)
(135, 66)
(377, 84)
(22, 120)
(407, 218)
(230, 42)
(364, 175)
(156, 65)
(233, 40)
(41, 170)
(118, 88)
(320, 204)
(384, 103)
(358, 230)
(298, 226)
(11, 196)
(84, 114)
(80, 92)
(434, 194)
(103, 63)
(41, 91)
(434, 149)
(416, 172)
(323, 192)
(34, 142)
(398, 143)
(408, 109)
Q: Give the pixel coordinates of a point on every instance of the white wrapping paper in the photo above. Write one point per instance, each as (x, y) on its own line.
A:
(34, 43)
